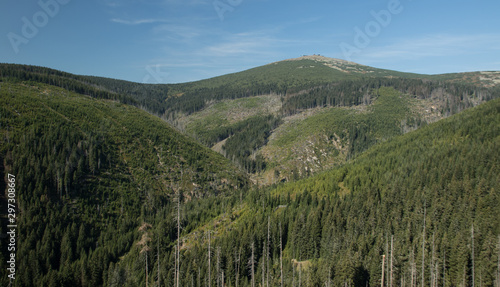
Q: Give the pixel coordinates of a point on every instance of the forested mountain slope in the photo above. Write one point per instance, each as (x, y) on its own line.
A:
(88, 171)
(428, 200)
(104, 189)
(327, 125)
(300, 76)
(293, 118)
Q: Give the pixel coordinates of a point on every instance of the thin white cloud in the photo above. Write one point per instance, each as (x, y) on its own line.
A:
(439, 45)
(112, 3)
(221, 53)
(187, 2)
(178, 30)
(137, 22)
(310, 20)
(253, 42)
(245, 44)
(236, 48)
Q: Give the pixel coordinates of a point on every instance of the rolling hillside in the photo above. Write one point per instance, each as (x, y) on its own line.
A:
(428, 201)
(327, 125)
(254, 117)
(88, 172)
(286, 77)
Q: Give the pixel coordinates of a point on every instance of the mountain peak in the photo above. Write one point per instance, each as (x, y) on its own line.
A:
(334, 63)
(319, 58)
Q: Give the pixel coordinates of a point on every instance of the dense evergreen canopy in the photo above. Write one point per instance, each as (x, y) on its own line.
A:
(109, 195)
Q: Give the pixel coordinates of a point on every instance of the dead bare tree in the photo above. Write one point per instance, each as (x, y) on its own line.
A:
(423, 247)
(498, 266)
(175, 266)
(218, 266)
(465, 271)
(432, 266)
(177, 255)
(383, 265)
(158, 258)
(473, 267)
(268, 246)
(392, 257)
(300, 273)
(436, 274)
(145, 250)
(387, 251)
(444, 268)
(145, 247)
(281, 257)
(237, 261)
(209, 265)
(412, 267)
(252, 263)
(263, 265)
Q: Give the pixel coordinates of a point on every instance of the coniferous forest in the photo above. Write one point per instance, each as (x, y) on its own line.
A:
(109, 193)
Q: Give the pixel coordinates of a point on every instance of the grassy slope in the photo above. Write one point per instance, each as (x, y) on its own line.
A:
(226, 113)
(323, 138)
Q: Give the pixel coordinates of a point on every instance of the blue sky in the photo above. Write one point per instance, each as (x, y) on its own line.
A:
(170, 41)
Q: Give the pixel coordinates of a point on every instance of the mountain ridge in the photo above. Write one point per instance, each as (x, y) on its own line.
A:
(327, 61)
(218, 112)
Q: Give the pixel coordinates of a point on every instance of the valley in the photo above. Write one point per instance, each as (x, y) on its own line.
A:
(305, 170)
